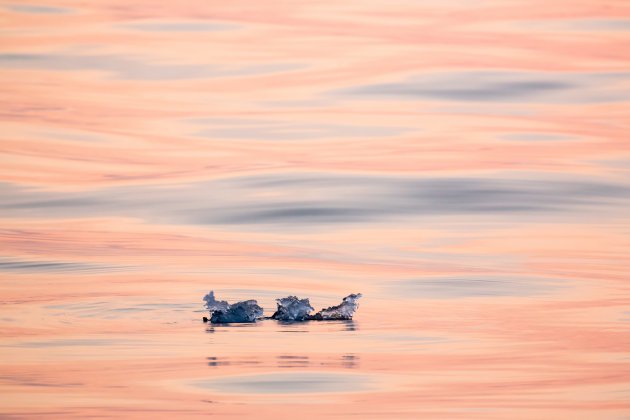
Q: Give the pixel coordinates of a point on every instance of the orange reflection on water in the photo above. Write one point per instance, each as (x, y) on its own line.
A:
(464, 165)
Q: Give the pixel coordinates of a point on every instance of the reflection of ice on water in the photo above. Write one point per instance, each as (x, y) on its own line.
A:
(347, 361)
(214, 361)
(287, 361)
(288, 326)
(350, 325)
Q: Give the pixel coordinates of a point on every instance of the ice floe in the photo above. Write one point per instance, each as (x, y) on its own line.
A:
(290, 308)
(222, 312)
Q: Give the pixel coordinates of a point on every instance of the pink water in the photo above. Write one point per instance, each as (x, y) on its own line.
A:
(464, 165)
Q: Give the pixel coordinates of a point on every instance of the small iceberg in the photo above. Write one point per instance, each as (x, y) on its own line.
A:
(215, 305)
(222, 312)
(290, 308)
(344, 310)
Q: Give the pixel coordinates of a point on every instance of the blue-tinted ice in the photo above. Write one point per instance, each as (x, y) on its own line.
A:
(344, 310)
(290, 308)
(222, 312)
(215, 305)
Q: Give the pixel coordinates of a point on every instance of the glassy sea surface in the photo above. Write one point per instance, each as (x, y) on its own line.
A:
(464, 165)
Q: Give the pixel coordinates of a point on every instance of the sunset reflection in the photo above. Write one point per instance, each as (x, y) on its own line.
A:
(463, 165)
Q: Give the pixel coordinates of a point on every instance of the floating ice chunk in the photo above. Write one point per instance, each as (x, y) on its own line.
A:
(291, 308)
(344, 310)
(246, 311)
(215, 305)
(223, 312)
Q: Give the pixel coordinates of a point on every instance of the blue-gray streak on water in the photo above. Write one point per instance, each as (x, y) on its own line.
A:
(463, 165)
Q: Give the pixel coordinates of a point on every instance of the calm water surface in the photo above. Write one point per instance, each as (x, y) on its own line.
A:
(464, 165)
